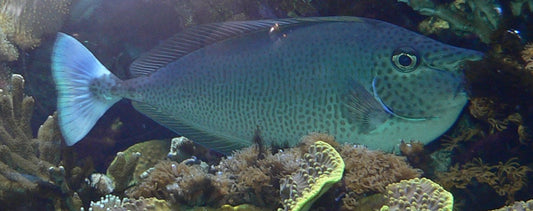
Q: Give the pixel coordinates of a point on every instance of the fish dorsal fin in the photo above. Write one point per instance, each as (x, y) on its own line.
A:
(200, 36)
(218, 143)
(363, 109)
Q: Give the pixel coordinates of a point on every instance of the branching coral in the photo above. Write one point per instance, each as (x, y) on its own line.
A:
(417, 194)
(18, 156)
(27, 165)
(480, 17)
(505, 178)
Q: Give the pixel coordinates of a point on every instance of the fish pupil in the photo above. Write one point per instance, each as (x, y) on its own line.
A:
(405, 60)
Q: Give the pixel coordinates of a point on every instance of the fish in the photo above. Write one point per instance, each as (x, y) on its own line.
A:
(364, 81)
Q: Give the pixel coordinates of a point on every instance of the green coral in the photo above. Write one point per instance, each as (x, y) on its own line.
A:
(417, 194)
(112, 202)
(322, 167)
(122, 168)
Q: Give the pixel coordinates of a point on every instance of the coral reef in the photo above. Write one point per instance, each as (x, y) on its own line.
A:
(29, 167)
(322, 167)
(122, 168)
(129, 164)
(112, 202)
(259, 176)
(151, 153)
(518, 206)
(101, 183)
(519, 6)
(416, 154)
(417, 194)
(18, 154)
(480, 17)
(505, 178)
(25, 22)
(242, 207)
(370, 171)
(181, 183)
(182, 148)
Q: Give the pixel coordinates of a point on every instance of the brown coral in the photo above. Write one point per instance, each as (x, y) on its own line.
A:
(505, 178)
(25, 22)
(370, 171)
(257, 180)
(27, 165)
(181, 183)
(122, 168)
(518, 206)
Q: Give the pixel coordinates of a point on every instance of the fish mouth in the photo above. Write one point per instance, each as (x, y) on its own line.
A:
(390, 110)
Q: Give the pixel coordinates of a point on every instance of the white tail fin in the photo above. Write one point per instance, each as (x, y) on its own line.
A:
(75, 69)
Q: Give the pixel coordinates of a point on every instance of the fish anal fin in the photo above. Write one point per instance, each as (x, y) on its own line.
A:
(221, 144)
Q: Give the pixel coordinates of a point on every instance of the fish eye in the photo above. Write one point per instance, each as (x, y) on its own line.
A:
(405, 59)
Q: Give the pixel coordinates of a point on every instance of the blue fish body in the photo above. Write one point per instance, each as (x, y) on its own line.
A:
(362, 80)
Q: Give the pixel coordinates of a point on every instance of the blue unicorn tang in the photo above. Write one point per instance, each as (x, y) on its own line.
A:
(362, 80)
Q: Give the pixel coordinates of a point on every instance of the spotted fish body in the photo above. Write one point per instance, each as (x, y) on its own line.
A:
(362, 80)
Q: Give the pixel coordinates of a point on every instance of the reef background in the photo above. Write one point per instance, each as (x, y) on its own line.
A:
(484, 160)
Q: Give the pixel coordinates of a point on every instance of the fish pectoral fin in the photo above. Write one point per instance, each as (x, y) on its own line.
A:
(221, 144)
(363, 109)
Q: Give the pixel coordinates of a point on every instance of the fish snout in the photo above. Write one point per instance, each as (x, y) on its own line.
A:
(452, 59)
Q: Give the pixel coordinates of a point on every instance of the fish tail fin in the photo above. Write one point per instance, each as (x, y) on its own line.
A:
(83, 87)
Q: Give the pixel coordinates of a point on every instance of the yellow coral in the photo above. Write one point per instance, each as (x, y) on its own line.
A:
(242, 207)
(323, 168)
(417, 194)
